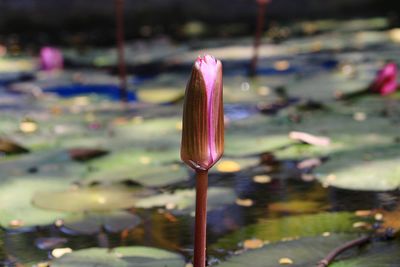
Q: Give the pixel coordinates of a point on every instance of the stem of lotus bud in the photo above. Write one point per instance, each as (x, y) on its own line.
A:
(201, 219)
(257, 38)
(119, 16)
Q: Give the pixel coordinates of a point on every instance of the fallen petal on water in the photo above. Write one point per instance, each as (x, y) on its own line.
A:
(58, 252)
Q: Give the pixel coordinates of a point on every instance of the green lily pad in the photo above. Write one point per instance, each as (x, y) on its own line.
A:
(373, 169)
(184, 200)
(42, 164)
(16, 209)
(147, 175)
(102, 198)
(92, 223)
(120, 257)
(161, 95)
(295, 207)
(273, 230)
(304, 252)
(376, 254)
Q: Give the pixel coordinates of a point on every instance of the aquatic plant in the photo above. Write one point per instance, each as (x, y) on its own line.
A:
(386, 80)
(203, 137)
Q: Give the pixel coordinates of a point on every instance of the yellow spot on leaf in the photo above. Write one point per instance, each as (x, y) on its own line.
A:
(281, 65)
(179, 126)
(228, 166)
(145, 160)
(16, 223)
(359, 116)
(262, 179)
(363, 213)
(378, 216)
(244, 202)
(361, 225)
(253, 243)
(28, 126)
(326, 234)
(285, 261)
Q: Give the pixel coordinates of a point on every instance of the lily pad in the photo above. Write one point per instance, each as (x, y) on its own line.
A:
(273, 230)
(93, 223)
(184, 200)
(102, 198)
(309, 251)
(16, 209)
(160, 95)
(120, 257)
(297, 252)
(376, 254)
(373, 169)
(147, 175)
(42, 164)
(295, 207)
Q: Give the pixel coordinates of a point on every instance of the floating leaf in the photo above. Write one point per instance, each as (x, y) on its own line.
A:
(375, 254)
(289, 227)
(103, 198)
(92, 223)
(304, 252)
(16, 209)
(293, 207)
(120, 257)
(373, 169)
(160, 96)
(184, 200)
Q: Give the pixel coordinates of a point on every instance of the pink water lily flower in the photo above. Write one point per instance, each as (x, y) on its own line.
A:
(203, 119)
(51, 59)
(386, 80)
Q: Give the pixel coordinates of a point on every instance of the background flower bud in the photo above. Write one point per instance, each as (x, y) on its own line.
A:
(386, 80)
(203, 115)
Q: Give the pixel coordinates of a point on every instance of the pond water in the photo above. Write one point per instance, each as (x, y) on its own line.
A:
(75, 169)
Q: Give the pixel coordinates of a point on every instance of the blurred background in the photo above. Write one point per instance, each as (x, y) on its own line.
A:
(84, 23)
(312, 112)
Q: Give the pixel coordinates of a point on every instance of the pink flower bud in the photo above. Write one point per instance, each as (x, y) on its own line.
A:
(386, 80)
(51, 59)
(203, 115)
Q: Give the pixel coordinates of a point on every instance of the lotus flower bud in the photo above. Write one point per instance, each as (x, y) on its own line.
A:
(51, 59)
(203, 115)
(386, 80)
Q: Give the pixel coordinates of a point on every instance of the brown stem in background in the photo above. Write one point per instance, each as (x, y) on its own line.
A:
(334, 253)
(102, 239)
(201, 219)
(119, 16)
(262, 4)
